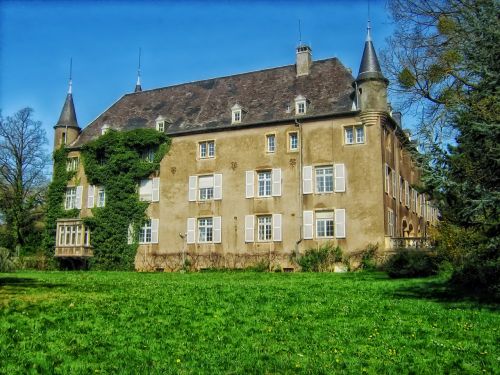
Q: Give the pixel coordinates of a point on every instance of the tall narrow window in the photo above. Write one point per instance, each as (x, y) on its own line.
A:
(206, 187)
(300, 105)
(101, 196)
(324, 224)
(264, 180)
(72, 164)
(70, 202)
(324, 179)
(145, 232)
(271, 142)
(205, 229)
(360, 134)
(349, 136)
(236, 114)
(293, 141)
(265, 228)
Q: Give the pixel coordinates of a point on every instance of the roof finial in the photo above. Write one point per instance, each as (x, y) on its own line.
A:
(70, 89)
(138, 83)
(300, 34)
(368, 27)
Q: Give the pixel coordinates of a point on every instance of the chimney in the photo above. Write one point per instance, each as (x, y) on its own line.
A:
(304, 60)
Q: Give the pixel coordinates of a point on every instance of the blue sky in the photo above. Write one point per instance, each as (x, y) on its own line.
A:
(180, 42)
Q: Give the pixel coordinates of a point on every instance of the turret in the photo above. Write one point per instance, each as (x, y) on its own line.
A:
(66, 129)
(371, 85)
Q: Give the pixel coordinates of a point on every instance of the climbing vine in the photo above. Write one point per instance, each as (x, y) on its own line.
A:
(55, 199)
(118, 161)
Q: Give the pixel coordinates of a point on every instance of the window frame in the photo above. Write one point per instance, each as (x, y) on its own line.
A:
(264, 228)
(145, 230)
(205, 227)
(209, 149)
(72, 163)
(271, 146)
(351, 134)
(101, 200)
(324, 177)
(70, 199)
(206, 194)
(266, 183)
(293, 135)
(325, 221)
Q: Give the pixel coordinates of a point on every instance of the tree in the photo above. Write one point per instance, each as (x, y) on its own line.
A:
(443, 59)
(23, 160)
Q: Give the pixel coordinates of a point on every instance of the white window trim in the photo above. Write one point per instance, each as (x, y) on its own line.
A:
(236, 114)
(300, 101)
(194, 190)
(290, 148)
(192, 233)
(270, 150)
(354, 131)
(208, 155)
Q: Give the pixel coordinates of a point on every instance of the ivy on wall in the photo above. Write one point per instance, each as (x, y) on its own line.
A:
(118, 161)
(55, 200)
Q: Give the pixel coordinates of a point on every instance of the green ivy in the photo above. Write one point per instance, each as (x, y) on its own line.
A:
(55, 199)
(115, 161)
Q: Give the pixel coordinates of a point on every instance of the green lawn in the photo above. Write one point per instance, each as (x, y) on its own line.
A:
(240, 322)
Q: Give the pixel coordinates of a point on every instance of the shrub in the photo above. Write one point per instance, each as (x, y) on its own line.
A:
(260, 266)
(6, 261)
(321, 259)
(368, 258)
(411, 263)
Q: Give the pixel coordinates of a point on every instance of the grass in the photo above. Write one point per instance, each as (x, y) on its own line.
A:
(241, 322)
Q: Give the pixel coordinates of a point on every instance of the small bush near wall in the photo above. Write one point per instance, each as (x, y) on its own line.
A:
(411, 263)
(321, 259)
(6, 261)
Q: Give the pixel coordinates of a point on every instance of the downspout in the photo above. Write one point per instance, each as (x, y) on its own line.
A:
(301, 195)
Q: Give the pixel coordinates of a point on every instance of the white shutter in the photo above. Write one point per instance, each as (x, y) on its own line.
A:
(249, 184)
(217, 186)
(277, 227)
(130, 234)
(154, 230)
(217, 227)
(249, 228)
(155, 190)
(191, 230)
(307, 180)
(339, 178)
(276, 178)
(90, 196)
(307, 224)
(78, 200)
(340, 223)
(193, 181)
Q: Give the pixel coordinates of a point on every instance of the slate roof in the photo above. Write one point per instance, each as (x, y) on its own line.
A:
(206, 105)
(68, 114)
(369, 67)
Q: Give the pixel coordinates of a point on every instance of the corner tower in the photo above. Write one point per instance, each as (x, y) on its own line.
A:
(371, 85)
(66, 129)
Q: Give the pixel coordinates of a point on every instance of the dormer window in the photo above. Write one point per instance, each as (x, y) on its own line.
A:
(300, 105)
(161, 124)
(105, 128)
(236, 114)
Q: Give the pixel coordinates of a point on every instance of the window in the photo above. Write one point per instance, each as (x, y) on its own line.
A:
(293, 141)
(264, 181)
(148, 155)
(407, 195)
(394, 184)
(206, 188)
(207, 149)
(390, 222)
(401, 183)
(271, 143)
(202, 188)
(101, 196)
(387, 178)
(72, 164)
(300, 105)
(70, 202)
(324, 179)
(70, 235)
(264, 228)
(104, 129)
(205, 229)
(149, 190)
(354, 134)
(236, 114)
(145, 234)
(324, 224)
(161, 125)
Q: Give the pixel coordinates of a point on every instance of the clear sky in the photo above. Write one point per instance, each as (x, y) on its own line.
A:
(181, 41)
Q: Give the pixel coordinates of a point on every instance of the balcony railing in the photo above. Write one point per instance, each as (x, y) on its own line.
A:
(411, 242)
(74, 251)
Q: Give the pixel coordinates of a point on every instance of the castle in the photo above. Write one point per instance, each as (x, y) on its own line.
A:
(262, 165)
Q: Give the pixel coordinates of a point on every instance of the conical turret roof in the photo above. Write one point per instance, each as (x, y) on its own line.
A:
(370, 67)
(68, 113)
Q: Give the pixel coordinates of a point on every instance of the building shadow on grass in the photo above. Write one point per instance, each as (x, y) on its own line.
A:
(21, 283)
(443, 292)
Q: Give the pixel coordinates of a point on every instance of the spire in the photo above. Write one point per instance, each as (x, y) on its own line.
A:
(68, 114)
(138, 87)
(370, 67)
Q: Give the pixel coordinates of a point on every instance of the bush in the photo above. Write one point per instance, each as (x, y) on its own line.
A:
(411, 263)
(6, 261)
(321, 259)
(368, 258)
(260, 266)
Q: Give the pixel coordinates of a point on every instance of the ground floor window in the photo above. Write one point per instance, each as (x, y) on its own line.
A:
(264, 227)
(324, 224)
(205, 229)
(145, 232)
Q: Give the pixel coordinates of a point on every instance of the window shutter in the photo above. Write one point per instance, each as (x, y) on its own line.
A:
(145, 190)
(249, 228)
(307, 180)
(191, 230)
(193, 181)
(155, 190)
(339, 178)
(276, 177)
(386, 183)
(130, 234)
(217, 229)
(217, 186)
(308, 224)
(394, 184)
(340, 223)
(277, 227)
(249, 184)
(90, 196)
(78, 200)
(154, 230)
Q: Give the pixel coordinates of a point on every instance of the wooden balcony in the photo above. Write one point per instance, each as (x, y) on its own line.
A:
(411, 242)
(74, 251)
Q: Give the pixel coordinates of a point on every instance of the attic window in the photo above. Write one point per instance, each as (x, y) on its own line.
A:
(236, 114)
(300, 105)
(161, 124)
(104, 129)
